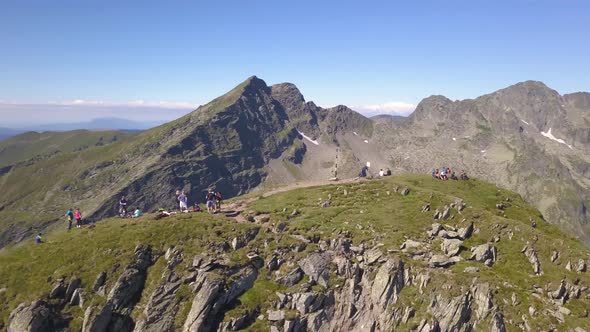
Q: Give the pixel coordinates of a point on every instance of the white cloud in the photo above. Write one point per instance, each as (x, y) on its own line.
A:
(14, 114)
(391, 108)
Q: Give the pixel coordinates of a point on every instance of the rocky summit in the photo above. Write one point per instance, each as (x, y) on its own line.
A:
(374, 259)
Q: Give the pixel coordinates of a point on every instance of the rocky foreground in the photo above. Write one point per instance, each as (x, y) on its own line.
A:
(391, 255)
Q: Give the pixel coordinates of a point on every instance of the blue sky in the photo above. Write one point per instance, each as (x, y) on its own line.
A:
(90, 55)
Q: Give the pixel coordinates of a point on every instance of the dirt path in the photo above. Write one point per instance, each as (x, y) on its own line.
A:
(236, 208)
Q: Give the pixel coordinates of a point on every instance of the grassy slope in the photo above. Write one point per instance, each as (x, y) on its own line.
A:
(32, 144)
(368, 212)
(55, 184)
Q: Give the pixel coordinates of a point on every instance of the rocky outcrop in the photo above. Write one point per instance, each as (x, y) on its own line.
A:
(317, 267)
(531, 255)
(115, 314)
(35, 317)
(484, 253)
(212, 295)
(162, 306)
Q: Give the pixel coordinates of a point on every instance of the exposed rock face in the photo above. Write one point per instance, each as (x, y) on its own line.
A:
(484, 253)
(212, 296)
(36, 317)
(115, 314)
(317, 267)
(162, 306)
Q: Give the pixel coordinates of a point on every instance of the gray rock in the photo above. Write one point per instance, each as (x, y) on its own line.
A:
(317, 267)
(531, 255)
(451, 247)
(72, 286)
(436, 228)
(101, 278)
(446, 214)
(273, 264)
(443, 261)
(36, 317)
(426, 208)
(372, 255)
(173, 257)
(387, 284)
(554, 256)
(581, 266)
(471, 269)
(405, 191)
(58, 291)
(276, 315)
(483, 253)
(466, 232)
(211, 296)
(75, 300)
(409, 244)
(292, 278)
(162, 306)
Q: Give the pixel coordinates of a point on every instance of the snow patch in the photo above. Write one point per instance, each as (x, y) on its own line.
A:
(550, 136)
(313, 141)
(366, 141)
(524, 122)
(454, 139)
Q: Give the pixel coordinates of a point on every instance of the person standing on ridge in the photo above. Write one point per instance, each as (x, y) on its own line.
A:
(210, 197)
(182, 199)
(78, 217)
(123, 206)
(69, 218)
(218, 199)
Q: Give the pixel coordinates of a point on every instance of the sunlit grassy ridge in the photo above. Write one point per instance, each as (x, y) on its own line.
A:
(371, 211)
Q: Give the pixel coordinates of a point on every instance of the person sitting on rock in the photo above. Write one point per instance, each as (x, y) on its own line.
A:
(388, 172)
(38, 239)
(454, 177)
(381, 172)
(464, 176)
(197, 208)
(137, 213)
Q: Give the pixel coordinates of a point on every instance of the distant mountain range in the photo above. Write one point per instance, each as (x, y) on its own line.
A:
(526, 137)
(95, 124)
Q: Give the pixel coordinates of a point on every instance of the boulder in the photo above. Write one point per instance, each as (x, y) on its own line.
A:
(58, 291)
(276, 315)
(466, 232)
(74, 284)
(446, 214)
(405, 191)
(317, 267)
(451, 247)
(581, 266)
(101, 278)
(442, 261)
(409, 244)
(292, 278)
(372, 255)
(35, 317)
(531, 255)
(484, 253)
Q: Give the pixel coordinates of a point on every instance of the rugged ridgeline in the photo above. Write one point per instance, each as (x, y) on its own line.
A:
(526, 137)
(228, 144)
(407, 253)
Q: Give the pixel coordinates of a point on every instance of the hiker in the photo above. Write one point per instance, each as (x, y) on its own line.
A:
(381, 172)
(218, 199)
(454, 177)
(182, 199)
(210, 197)
(463, 175)
(363, 172)
(137, 213)
(197, 208)
(123, 207)
(78, 217)
(70, 217)
(388, 172)
(38, 239)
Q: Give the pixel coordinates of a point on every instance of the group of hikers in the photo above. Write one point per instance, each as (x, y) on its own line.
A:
(447, 173)
(365, 172)
(212, 202)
